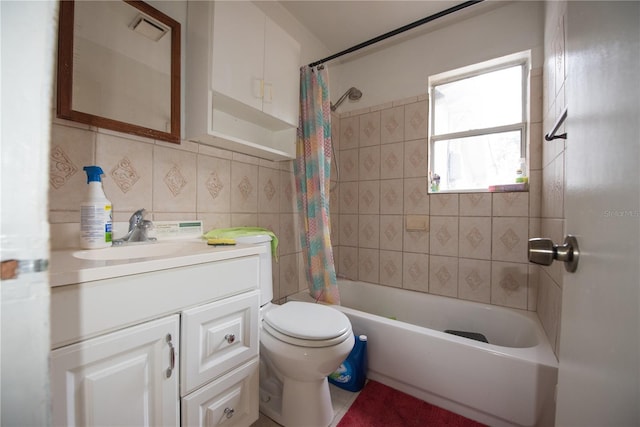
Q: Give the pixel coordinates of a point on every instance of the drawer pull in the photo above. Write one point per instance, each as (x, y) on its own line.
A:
(228, 412)
(230, 338)
(172, 357)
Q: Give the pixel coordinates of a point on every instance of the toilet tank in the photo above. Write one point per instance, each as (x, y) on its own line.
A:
(266, 279)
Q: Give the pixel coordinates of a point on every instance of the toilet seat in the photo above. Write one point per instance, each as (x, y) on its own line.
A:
(307, 325)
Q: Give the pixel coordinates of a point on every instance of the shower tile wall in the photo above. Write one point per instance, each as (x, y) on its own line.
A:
(476, 247)
(176, 182)
(552, 223)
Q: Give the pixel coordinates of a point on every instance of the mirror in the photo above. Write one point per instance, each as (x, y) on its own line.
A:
(119, 67)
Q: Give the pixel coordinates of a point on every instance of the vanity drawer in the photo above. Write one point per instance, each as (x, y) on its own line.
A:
(229, 400)
(218, 337)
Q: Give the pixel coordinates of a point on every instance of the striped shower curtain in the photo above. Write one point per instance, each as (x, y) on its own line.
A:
(312, 170)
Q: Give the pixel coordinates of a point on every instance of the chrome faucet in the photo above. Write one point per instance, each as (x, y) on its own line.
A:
(138, 229)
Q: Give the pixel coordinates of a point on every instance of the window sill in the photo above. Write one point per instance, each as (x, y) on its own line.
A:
(503, 188)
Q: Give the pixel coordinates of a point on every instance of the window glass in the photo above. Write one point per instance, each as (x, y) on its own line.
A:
(477, 137)
(478, 161)
(488, 100)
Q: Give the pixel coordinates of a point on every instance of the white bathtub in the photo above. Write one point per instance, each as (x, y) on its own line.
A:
(509, 381)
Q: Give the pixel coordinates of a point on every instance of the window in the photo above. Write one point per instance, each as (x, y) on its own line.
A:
(478, 126)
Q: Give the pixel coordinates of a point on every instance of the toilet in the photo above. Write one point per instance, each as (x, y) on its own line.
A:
(300, 344)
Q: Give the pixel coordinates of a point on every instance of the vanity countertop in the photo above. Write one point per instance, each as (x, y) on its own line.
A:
(70, 266)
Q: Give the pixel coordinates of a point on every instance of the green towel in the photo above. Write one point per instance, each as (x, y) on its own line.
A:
(232, 233)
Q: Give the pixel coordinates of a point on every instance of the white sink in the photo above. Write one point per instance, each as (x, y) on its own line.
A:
(130, 251)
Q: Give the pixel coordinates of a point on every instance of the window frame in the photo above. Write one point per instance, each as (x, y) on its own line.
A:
(522, 59)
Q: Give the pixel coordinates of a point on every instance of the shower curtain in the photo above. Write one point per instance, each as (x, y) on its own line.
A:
(312, 170)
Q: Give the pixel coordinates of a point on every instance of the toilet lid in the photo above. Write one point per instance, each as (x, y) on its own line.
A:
(308, 321)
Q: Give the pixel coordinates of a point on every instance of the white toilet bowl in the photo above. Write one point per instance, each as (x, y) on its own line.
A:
(300, 344)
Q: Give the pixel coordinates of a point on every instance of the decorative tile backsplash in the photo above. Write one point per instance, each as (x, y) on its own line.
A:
(188, 181)
(475, 247)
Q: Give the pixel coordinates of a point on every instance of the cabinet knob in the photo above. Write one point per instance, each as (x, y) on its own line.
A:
(230, 338)
(228, 412)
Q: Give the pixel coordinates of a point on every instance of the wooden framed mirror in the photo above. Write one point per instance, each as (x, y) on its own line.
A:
(119, 67)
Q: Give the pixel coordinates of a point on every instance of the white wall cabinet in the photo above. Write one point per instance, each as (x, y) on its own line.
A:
(242, 80)
(154, 342)
(128, 377)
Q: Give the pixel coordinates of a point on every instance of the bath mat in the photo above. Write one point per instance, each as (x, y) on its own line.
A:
(378, 405)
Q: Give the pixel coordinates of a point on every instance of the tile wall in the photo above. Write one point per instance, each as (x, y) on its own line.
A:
(476, 247)
(177, 182)
(552, 222)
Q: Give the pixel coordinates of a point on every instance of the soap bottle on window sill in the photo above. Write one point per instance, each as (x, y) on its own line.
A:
(521, 173)
(434, 178)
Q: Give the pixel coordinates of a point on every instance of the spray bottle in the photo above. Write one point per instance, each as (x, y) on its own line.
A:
(95, 213)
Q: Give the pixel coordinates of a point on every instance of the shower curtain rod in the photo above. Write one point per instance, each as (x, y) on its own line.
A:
(397, 31)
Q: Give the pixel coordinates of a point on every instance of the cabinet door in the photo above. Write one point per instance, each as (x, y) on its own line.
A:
(119, 379)
(238, 52)
(281, 74)
(217, 338)
(231, 400)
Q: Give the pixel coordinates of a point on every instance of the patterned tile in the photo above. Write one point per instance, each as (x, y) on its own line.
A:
(288, 238)
(475, 204)
(444, 236)
(288, 267)
(174, 174)
(244, 187)
(392, 161)
(444, 204)
(511, 204)
(369, 231)
(391, 232)
(369, 163)
(349, 165)
(391, 196)
(415, 272)
(415, 120)
(370, 129)
(415, 158)
(416, 199)
(509, 284)
(391, 268)
(348, 263)
(214, 184)
(124, 175)
(175, 180)
(368, 262)
(510, 239)
(349, 231)
(392, 125)
(443, 275)
(61, 167)
(349, 132)
(475, 237)
(416, 241)
(474, 280)
(287, 192)
(349, 197)
(369, 197)
(268, 190)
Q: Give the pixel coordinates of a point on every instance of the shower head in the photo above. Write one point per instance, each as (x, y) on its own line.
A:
(353, 94)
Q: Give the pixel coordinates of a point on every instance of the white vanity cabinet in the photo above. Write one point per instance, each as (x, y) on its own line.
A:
(175, 343)
(242, 80)
(128, 377)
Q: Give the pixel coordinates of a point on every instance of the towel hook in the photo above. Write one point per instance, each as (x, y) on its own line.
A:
(552, 135)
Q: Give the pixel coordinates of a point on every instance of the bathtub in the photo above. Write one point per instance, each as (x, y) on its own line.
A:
(508, 381)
